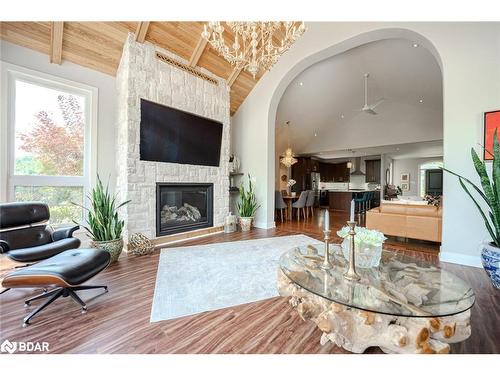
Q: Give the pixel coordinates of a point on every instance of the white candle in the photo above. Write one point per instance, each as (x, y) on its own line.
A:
(351, 218)
(327, 220)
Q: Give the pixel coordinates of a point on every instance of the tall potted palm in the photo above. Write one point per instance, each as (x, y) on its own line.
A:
(247, 205)
(489, 193)
(104, 226)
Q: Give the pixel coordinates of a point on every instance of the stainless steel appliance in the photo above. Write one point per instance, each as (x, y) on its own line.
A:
(315, 180)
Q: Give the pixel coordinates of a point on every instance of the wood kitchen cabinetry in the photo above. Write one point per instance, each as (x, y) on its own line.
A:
(339, 201)
(329, 172)
(301, 172)
(373, 171)
(334, 172)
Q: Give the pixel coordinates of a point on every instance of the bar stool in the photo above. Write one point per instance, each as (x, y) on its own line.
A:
(361, 205)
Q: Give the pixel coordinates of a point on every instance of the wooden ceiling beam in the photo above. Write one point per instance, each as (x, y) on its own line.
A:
(234, 74)
(198, 51)
(141, 31)
(56, 42)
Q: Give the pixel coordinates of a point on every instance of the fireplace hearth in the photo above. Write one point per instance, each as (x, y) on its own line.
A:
(182, 207)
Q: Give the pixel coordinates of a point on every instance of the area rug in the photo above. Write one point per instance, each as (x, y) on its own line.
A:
(194, 279)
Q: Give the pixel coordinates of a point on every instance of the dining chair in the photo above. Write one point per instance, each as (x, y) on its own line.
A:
(301, 204)
(279, 203)
(310, 203)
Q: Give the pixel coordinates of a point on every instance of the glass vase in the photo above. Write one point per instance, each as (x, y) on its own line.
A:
(366, 256)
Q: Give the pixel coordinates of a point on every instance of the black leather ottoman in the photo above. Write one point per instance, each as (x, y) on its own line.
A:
(65, 271)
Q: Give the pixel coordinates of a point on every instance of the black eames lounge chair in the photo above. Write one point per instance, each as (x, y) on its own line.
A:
(25, 236)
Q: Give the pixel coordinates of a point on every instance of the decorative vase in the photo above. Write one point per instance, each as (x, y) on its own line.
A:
(246, 223)
(113, 247)
(366, 256)
(490, 256)
(230, 223)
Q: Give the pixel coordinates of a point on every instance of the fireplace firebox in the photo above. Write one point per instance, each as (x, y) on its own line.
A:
(181, 207)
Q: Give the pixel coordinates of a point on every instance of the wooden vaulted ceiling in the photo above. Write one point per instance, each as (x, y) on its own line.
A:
(98, 45)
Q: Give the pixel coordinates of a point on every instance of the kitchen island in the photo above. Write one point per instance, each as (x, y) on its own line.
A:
(340, 200)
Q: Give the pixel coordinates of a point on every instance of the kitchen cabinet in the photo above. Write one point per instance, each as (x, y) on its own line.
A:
(314, 165)
(372, 172)
(301, 172)
(334, 172)
(342, 173)
(340, 201)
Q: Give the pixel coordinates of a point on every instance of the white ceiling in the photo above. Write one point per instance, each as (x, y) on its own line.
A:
(322, 103)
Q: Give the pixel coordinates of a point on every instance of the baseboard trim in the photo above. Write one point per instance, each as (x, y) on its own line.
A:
(265, 225)
(463, 259)
(179, 237)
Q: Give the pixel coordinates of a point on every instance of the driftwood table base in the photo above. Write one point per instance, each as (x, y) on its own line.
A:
(355, 330)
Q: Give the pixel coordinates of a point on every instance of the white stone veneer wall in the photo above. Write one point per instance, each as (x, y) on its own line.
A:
(142, 76)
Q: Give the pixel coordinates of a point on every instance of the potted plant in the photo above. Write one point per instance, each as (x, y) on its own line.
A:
(490, 194)
(368, 245)
(103, 224)
(247, 205)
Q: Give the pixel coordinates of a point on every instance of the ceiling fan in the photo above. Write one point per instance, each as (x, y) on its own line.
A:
(369, 109)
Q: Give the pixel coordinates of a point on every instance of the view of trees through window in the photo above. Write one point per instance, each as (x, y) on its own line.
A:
(49, 141)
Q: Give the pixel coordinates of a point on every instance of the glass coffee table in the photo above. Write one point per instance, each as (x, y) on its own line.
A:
(405, 305)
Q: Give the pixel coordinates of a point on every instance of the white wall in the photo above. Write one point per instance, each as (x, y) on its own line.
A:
(411, 166)
(105, 84)
(469, 56)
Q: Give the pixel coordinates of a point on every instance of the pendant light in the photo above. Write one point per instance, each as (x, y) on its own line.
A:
(288, 159)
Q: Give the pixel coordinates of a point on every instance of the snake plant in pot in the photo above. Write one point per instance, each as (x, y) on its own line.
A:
(487, 200)
(247, 205)
(104, 226)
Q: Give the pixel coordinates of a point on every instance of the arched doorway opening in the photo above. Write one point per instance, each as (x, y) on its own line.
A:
(385, 41)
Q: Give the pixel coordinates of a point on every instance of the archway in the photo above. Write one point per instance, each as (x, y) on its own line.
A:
(336, 49)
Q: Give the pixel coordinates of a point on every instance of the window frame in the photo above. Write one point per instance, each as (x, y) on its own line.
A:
(421, 175)
(10, 75)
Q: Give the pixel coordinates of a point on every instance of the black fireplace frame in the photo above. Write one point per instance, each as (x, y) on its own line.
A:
(185, 228)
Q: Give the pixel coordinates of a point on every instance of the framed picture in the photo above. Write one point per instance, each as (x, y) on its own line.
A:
(405, 186)
(491, 123)
(405, 177)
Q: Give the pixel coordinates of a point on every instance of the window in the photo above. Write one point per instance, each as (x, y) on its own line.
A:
(423, 168)
(49, 127)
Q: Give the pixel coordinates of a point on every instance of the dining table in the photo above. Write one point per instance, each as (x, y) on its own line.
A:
(289, 199)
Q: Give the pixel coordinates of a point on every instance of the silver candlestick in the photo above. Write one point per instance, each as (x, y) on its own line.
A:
(351, 274)
(326, 265)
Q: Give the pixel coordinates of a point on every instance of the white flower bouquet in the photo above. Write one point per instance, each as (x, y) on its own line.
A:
(368, 246)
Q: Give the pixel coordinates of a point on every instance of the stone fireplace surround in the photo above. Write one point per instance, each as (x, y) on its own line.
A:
(143, 76)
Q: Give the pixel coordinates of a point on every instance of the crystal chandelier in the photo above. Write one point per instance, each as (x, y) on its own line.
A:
(254, 45)
(288, 159)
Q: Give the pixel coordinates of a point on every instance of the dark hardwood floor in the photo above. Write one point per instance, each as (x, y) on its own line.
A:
(118, 322)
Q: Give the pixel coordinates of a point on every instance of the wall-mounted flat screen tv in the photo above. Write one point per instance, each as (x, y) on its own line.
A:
(174, 136)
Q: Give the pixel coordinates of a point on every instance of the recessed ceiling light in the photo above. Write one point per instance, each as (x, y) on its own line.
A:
(341, 116)
(301, 83)
(315, 134)
(421, 100)
(397, 148)
(415, 45)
